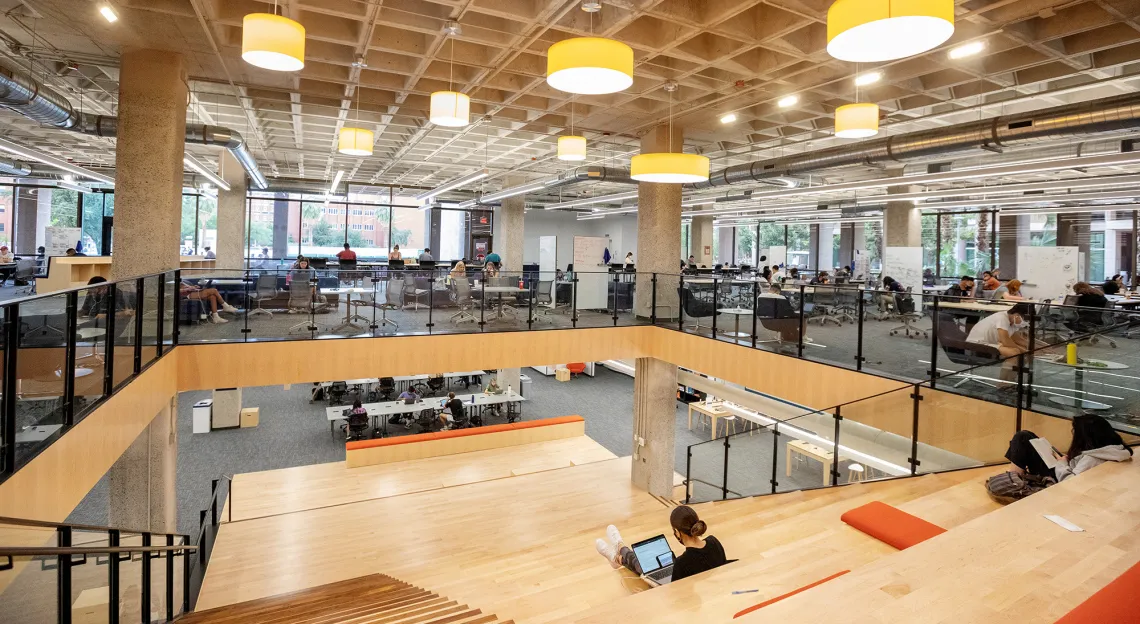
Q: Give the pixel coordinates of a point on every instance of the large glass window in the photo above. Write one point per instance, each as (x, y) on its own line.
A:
(452, 235)
(93, 223)
(368, 230)
(799, 246)
(322, 228)
(745, 245)
(408, 231)
(1043, 230)
(686, 229)
(967, 243)
(930, 242)
(873, 234)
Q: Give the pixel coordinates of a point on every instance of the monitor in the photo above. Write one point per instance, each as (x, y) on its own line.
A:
(427, 264)
(318, 263)
(395, 264)
(653, 554)
(530, 268)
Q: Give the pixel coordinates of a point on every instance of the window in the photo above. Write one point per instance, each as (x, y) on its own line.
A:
(322, 231)
(408, 227)
(873, 234)
(746, 245)
(452, 235)
(6, 203)
(799, 246)
(93, 224)
(277, 233)
(930, 243)
(1043, 230)
(686, 229)
(966, 243)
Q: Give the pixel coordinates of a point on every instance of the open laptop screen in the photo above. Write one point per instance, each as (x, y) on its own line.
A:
(653, 554)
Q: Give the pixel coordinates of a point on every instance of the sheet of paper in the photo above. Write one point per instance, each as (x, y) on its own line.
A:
(1045, 450)
(1063, 523)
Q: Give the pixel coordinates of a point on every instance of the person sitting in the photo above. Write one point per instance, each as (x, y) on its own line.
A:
(893, 288)
(298, 261)
(209, 295)
(1004, 332)
(1010, 291)
(1111, 286)
(452, 412)
(964, 287)
(6, 257)
(96, 304)
(395, 253)
(426, 255)
(409, 393)
(210, 255)
(493, 388)
(1094, 442)
(1089, 296)
(928, 277)
(701, 553)
(459, 270)
(820, 278)
(70, 252)
(990, 281)
(794, 274)
(346, 254)
(490, 270)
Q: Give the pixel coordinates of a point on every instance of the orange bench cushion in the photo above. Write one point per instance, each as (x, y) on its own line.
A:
(1112, 603)
(459, 433)
(891, 524)
(789, 594)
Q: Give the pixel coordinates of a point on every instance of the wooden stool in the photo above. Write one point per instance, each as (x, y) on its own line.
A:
(854, 473)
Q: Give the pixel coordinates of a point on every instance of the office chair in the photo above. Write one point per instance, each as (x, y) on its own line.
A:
(435, 384)
(824, 306)
(355, 427)
(777, 315)
(266, 290)
(24, 279)
(695, 308)
(845, 303)
(394, 292)
(952, 340)
(1093, 322)
(303, 298)
(576, 369)
(336, 392)
(386, 388)
(463, 300)
(908, 315)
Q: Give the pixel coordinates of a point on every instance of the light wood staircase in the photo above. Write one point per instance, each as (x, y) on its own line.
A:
(372, 599)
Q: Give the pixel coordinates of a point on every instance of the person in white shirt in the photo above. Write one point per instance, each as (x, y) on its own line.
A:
(1004, 332)
(629, 259)
(210, 255)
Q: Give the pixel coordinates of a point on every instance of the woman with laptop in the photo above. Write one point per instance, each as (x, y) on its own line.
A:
(653, 560)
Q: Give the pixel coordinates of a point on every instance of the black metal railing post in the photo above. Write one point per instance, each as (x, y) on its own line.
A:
(574, 302)
(934, 343)
(109, 343)
(140, 304)
(144, 605)
(483, 302)
(615, 296)
(755, 305)
(835, 452)
(688, 473)
(375, 280)
(431, 302)
(214, 502)
(178, 307)
(1030, 359)
(775, 455)
(160, 302)
(113, 582)
(861, 318)
(63, 577)
(681, 302)
(652, 300)
(1020, 387)
(913, 459)
(532, 294)
(11, 349)
(716, 305)
(803, 324)
(186, 573)
(245, 306)
(724, 479)
(169, 579)
(70, 342)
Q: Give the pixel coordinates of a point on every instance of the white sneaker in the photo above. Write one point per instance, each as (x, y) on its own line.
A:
(606, 551)
(614, 537)
(214, 318)
(229, 308)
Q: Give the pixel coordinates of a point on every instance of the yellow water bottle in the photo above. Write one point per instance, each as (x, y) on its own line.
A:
(1071, 354)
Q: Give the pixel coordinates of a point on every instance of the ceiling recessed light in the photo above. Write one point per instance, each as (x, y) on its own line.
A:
(788, 101)
(968, 49)
(729, 118)
(868, 78)
(108, 13)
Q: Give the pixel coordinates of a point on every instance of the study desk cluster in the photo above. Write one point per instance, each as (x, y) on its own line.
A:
(402, 382)
(385, 410)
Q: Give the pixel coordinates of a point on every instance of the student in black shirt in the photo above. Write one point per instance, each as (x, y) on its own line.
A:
(454, 419)
(701, 554)
(1089, 296)
(1112, 285)
(964, 287)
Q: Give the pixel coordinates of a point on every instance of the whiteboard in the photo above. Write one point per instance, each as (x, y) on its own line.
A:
(904, 264)
(1048, 272)
(592, 273)
(60, 239)
(547, 254)
(777, 256)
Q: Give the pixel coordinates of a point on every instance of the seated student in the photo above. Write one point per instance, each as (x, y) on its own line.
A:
(96, 304)
(426, 256)
(490, 270)
(820, 278)
(346, 254)
(493, 388)
(1113, 285)
(928, 277)
(964, 287)
(990, 281)
(459, 270)
(452, 412)
(794, 273)
(701, 554)
(1004, 331)
(887, 299)
(299, 260)
(210, 295)
(410, 393)
(1094, 442)
(1089, 296)
(1027, 474)
(1011, 291)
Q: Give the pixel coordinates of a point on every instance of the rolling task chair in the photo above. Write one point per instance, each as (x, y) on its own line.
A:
(266, 290)
(908, 315)
(952, 339)
(386, 388)
(355, 427)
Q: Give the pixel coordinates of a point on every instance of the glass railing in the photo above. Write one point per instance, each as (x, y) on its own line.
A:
(67, 352)
(55, 572)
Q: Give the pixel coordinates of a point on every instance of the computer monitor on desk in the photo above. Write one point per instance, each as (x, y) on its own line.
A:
(427, 264)
(319, 263)
(395, 264)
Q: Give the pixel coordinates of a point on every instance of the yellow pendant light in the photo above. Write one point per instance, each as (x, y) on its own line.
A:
(450, 108)
(669, 167)
(273, 42)
(873, 31)
(589, 66)
(857, 121)
(355, 142)
(572, 147)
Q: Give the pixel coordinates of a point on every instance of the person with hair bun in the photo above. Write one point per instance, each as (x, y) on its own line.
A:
(701, 553)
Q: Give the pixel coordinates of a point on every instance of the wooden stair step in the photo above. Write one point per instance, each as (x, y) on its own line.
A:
(328, 610)
(369, 613)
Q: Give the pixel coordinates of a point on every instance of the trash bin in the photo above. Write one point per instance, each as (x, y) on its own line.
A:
(203, 411)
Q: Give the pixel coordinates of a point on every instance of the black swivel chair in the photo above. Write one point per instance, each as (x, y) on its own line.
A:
(386, 388)
(952, 339)
(355, 427)
(776, 314)
(435, 384)
(694, 307)
(336, 392)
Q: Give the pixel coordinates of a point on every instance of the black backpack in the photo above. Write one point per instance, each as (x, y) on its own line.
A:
(1008, 487)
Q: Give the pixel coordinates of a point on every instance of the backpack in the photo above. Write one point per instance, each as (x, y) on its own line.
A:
(1008, 487)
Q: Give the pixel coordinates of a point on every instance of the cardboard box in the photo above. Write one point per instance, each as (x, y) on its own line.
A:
(562, 374)
(91, 606)
(249, 417)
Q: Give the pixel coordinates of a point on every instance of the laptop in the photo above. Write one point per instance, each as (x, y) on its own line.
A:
(656, 560)
(409, 401)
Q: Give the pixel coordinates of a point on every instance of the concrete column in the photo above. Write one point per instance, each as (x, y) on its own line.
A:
(654, 425)
(509, 229)
(143, 492)
(847, 243)
(33, 212)
(231, 215)
(1013, 232)
(280, 226)
(658, 229)
(700, 238)
(509, 378)
(902, 220)
(1073, 230)
(148, 162)
(814, 249)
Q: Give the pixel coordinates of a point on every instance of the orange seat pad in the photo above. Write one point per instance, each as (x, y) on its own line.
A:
(891, 524)
(1119, 601)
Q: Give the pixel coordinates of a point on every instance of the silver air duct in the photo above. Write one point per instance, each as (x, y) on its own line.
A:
(14, 168)
(573, 176)
(39, 103)
(1071, 121)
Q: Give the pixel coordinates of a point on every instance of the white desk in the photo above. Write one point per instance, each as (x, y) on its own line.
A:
(500, 307)
(391, 408)
(38, 433)
(1122, 301)
(737, 313)
(349, 315)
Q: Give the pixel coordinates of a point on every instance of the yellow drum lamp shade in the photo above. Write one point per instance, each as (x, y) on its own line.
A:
(873, 31)
(589, 66)
(857, 121)
(450, 108)
(669, 168)
(572, 148)
(273, 42)
(355, 142)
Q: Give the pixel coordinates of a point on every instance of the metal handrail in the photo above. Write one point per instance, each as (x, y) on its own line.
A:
(32, 551)
(82, 527)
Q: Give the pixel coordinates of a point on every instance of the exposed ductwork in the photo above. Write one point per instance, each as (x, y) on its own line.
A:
(573, 176)
(14, 168)
(27, 97)
(1071, 121)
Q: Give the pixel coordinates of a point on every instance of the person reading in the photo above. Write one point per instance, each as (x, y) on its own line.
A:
(701, 553)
